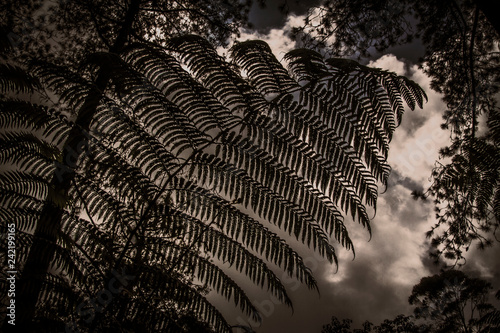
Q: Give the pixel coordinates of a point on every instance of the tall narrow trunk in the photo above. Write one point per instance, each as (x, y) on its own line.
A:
(48, 227)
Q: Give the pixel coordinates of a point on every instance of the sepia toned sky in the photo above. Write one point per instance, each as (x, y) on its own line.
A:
(377, 283)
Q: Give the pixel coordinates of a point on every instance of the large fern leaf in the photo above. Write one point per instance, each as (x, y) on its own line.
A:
(184, 159)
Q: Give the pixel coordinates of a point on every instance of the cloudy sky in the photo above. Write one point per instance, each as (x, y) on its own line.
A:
(376, 284)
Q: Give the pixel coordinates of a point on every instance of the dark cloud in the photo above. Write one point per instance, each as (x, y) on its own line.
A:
(430, 263)
(412, 52)
(485, 263)
(274, 13)
(365, 294)
(413, 120)
(396, 178)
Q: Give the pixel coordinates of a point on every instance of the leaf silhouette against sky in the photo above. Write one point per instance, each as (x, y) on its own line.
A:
(135, 160)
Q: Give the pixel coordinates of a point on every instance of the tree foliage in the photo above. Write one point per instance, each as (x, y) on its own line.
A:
(454, 302)
(447, 302)
(67, 30)
(139, 179)
(400, 324)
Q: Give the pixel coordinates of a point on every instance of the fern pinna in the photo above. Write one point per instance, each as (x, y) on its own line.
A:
(183, 159)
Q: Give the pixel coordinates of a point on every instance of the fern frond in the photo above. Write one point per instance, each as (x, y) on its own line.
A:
(264, 71)
(16, 79)
(236, 227)
(28, 152)
(179, 149)
(172, 288)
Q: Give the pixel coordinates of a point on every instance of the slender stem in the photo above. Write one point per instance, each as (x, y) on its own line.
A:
(85, 206)
(472, 77)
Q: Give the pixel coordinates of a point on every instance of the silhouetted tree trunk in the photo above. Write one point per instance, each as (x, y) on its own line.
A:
(48, 227)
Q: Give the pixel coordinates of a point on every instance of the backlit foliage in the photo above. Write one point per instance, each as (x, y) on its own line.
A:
(183, 157)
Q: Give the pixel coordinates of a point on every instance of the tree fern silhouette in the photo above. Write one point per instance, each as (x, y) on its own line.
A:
(151, 161)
